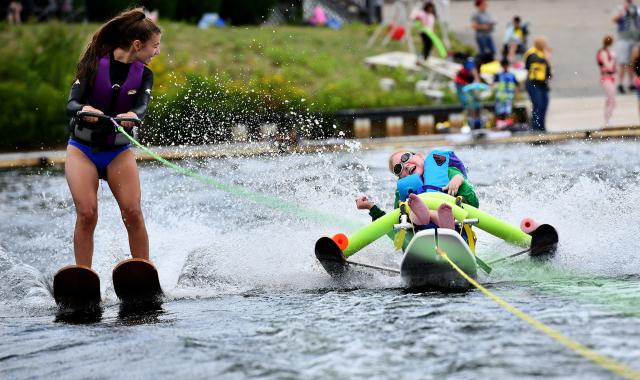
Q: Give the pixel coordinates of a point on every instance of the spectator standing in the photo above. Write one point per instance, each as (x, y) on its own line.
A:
(13, 12)
(467, 74)
(427, 19)
(628, 26)
(483, 23)
(118, 53)
(635, 64)
(468, 94)
(538, 74)
(506, 86)
(514, 40)
(607, 62)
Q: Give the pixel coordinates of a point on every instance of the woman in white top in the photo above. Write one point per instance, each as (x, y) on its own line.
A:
(427, 19)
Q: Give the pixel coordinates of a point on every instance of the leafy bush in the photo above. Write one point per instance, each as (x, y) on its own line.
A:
(192, 10)
(31, 115)
(104, 10)
(47, 54)
(184, 10)
(34, 84)
(165, 8)
(243, 12)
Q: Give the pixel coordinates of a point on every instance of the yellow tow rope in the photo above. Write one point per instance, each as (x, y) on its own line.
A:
(601, 360)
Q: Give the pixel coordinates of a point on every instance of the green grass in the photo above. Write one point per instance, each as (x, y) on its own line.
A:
(323, 66)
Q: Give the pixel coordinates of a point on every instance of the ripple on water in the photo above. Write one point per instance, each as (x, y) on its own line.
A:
(246, 298)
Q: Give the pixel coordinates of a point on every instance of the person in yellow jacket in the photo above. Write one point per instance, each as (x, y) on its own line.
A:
(538, 74)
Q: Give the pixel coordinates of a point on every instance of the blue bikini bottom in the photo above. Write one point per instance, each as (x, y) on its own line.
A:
(100, 158)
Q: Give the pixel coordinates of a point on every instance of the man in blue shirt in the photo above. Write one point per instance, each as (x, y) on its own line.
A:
(627, 20)
(482, 22)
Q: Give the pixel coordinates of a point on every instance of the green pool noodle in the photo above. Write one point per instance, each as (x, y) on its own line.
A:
(383, 225)
(436, 41)
(490, 223)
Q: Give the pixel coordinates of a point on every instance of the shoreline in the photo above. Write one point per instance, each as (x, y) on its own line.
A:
(56, 157)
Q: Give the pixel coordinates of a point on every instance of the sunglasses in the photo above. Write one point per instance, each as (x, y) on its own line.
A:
(397, 168)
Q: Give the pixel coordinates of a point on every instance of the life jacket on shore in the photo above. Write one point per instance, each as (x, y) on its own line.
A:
(464, 76)
(112, 99)
(435, 175)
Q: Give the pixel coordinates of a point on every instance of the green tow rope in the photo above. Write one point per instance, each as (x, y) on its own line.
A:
(272, 202)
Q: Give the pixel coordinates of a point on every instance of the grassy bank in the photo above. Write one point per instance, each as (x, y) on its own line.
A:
(205, 80)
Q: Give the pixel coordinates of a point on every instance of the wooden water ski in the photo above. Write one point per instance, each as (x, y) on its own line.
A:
(76, 287)
(544, 240)
(331, 257)
(136, 281)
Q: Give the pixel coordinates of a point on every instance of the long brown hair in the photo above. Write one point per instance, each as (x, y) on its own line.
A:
(119, 32)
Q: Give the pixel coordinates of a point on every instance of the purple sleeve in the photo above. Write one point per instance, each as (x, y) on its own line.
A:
(455, 162)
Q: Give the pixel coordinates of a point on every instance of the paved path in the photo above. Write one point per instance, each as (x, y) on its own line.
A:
(587, 113)
(575, 29)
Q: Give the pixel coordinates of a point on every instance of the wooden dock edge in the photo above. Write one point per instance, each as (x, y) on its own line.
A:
(53, 158)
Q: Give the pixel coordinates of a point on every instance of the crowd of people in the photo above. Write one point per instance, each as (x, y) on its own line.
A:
(618, 60)
(515, 54)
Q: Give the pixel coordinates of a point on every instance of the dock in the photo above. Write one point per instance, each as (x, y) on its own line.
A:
(56, 157)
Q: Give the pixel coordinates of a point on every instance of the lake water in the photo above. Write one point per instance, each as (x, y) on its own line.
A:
(246, 297)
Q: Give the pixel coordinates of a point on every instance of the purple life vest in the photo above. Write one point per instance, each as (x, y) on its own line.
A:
(103, 93)
(112, 100)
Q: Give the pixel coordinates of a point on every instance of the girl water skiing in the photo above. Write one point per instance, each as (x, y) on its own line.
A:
(111, 80)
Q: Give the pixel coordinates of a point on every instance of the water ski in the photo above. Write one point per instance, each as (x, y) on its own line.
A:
(544, 240)
(331, 257)
(423, 267)
(76, 287)
(136, 281)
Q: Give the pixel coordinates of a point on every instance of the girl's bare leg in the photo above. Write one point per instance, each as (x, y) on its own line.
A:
(82, 177)
(124, 181)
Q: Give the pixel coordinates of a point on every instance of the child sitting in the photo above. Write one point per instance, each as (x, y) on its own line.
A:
(466, 75)
(505, 85)
(515, 39)
(438, 171)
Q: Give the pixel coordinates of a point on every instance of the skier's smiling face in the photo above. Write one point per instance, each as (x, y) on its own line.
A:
(407, 163)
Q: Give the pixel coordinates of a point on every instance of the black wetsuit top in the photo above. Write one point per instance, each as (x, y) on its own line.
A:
(118, 71)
